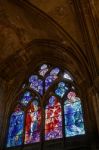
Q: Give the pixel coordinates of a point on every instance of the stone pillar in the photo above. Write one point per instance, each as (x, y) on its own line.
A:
(96, 100)
(2, 105)
(93, 106)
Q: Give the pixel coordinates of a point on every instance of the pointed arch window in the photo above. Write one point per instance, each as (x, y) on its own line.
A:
(48, 108)
(74, 124)
(53, 119)
(33, 123)
(15, 131)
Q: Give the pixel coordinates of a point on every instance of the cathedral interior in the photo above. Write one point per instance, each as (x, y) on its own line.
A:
(49, 74)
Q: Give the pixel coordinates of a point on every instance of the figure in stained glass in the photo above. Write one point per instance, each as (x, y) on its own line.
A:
(15, 128)
(53, 119)
(73, 116)
(33, 123)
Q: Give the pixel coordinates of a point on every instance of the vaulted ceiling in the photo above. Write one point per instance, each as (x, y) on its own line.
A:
(23, 22)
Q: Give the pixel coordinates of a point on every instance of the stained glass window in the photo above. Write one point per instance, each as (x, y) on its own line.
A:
(55, 71)
(74, 124)
(52, 77)
(33, 123)
(67, 76)
(61, 89)
(15, 132)
(51, 89)
(36, 84)
(26, 97)
(43, 70)
(53, 119)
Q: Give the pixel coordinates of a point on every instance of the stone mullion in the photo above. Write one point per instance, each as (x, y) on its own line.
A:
(63, 122)
(43, 117)
(42, 128)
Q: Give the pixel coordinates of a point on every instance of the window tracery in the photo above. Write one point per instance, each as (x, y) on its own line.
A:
(63, 109)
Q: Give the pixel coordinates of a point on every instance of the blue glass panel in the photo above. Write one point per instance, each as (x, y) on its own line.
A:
(36, 84)
(26, 98)
(55, 71)
(73, 116)
(33, 78)
(73, 130)
(61, 89)
(49, 80)
(73, 119)
(70, 108)
(15, 129)
(16, 141)
(52, 77)
(43, 70)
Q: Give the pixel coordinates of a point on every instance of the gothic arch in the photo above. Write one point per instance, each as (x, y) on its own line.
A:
(54, 104)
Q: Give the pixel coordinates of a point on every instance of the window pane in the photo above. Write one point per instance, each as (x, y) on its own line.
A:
(61, 89)
(76, 107)
(73, 116)
(32, 137)
(73, 130)
(36, 84)
(49, 80)
(53, 119)
(26, 98)
(33, 123)
(53, 134)
(53, 122)
(14, 141)
(52, 77)
(67, 76)
(43, 70)
(55, 71)
(53, 111)
(15, 129)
